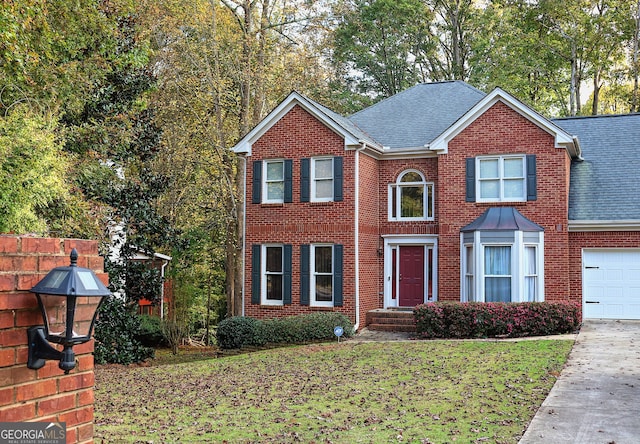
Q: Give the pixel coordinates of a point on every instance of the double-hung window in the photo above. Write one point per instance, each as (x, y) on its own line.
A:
(530, 273)
(273, 181)
(501, 179)
(497, 273)
(322, 183)
(271, 274)
(411, 198)
(506, 178)
(321, 179)
(321, 275)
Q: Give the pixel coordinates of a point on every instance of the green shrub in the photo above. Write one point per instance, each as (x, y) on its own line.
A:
(493, 319)
(151, 333)
(116, 331)
(238, 332)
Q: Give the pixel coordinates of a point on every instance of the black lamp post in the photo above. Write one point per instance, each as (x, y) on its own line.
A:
(68, 298)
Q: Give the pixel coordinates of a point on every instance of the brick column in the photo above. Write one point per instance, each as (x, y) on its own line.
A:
(46, 394)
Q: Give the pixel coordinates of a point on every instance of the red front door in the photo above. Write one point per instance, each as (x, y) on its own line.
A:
(411, 276)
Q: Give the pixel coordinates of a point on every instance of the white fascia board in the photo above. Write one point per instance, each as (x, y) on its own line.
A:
(603, 225)
(441, 143)
(293, 99)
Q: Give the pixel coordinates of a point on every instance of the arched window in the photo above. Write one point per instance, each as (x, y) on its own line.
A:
(411, 197)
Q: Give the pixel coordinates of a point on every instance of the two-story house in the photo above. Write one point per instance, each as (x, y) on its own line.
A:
(441, 192)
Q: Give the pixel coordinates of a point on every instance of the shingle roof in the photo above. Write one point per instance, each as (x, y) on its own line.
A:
(416, 116)
(605, 185)
(345, 123)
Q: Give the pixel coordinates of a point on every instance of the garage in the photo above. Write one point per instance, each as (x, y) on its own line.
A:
(611, 284)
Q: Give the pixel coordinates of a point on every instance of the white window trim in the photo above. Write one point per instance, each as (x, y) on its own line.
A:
(313, 180)
(517, 267)
(501, 178)
(313, 274)
(395, 190)
(265, 182)
(263, 275)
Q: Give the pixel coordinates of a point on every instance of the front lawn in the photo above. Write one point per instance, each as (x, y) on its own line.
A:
(422, 391)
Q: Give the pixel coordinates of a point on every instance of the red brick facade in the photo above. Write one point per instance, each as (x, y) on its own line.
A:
(46, 394)
(498, 130)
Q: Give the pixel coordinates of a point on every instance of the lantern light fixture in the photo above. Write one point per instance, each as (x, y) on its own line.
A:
(69, 298)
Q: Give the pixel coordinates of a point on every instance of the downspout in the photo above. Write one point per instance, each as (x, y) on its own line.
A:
(164, 265)
(357, 234)
(244, 228)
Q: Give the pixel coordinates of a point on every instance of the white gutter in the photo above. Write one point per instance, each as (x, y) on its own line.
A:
(357, 234)
(244, 227)
(164, 265)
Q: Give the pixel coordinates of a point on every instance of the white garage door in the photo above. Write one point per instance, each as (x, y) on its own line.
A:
(611, 284)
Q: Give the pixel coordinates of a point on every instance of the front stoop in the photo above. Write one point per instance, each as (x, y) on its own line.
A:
(391, 320)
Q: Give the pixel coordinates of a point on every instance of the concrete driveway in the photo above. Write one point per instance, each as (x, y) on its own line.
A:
(596, 399)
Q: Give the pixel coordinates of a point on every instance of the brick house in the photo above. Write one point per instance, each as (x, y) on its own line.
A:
(441, 192)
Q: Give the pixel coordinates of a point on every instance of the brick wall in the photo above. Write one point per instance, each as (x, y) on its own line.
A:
(46, 394)
(501, 130)
(370, 263)
(297, 135)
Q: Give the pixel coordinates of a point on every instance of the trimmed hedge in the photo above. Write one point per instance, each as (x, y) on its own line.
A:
(495, 319)
(238, 331)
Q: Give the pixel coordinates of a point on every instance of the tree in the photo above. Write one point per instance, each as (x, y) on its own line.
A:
(379, 45)
(32, 171)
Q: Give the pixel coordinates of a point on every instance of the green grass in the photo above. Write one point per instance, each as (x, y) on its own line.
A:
(423, 392)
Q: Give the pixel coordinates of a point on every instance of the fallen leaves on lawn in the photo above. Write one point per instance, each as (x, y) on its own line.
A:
(429, 392)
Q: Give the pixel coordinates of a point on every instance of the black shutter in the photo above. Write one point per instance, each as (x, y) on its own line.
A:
(532, 179)
(288, 180)
(337, 276)
(255, 274)
(257, 182)
(286, 284)
(305, 277)
(305, 180)
(337, 179)
(470, 180)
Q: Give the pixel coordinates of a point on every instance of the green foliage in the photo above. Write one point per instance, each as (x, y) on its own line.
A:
(151, 333)
(238, 331)
(116, 335)
(32, 169)
(378, 41)
(493, 319)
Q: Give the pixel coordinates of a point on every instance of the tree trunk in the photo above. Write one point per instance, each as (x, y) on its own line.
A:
(572, 86)
(596, 93)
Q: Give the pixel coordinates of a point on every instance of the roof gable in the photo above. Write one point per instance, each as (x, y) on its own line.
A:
(562, 138)
(352, 135)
